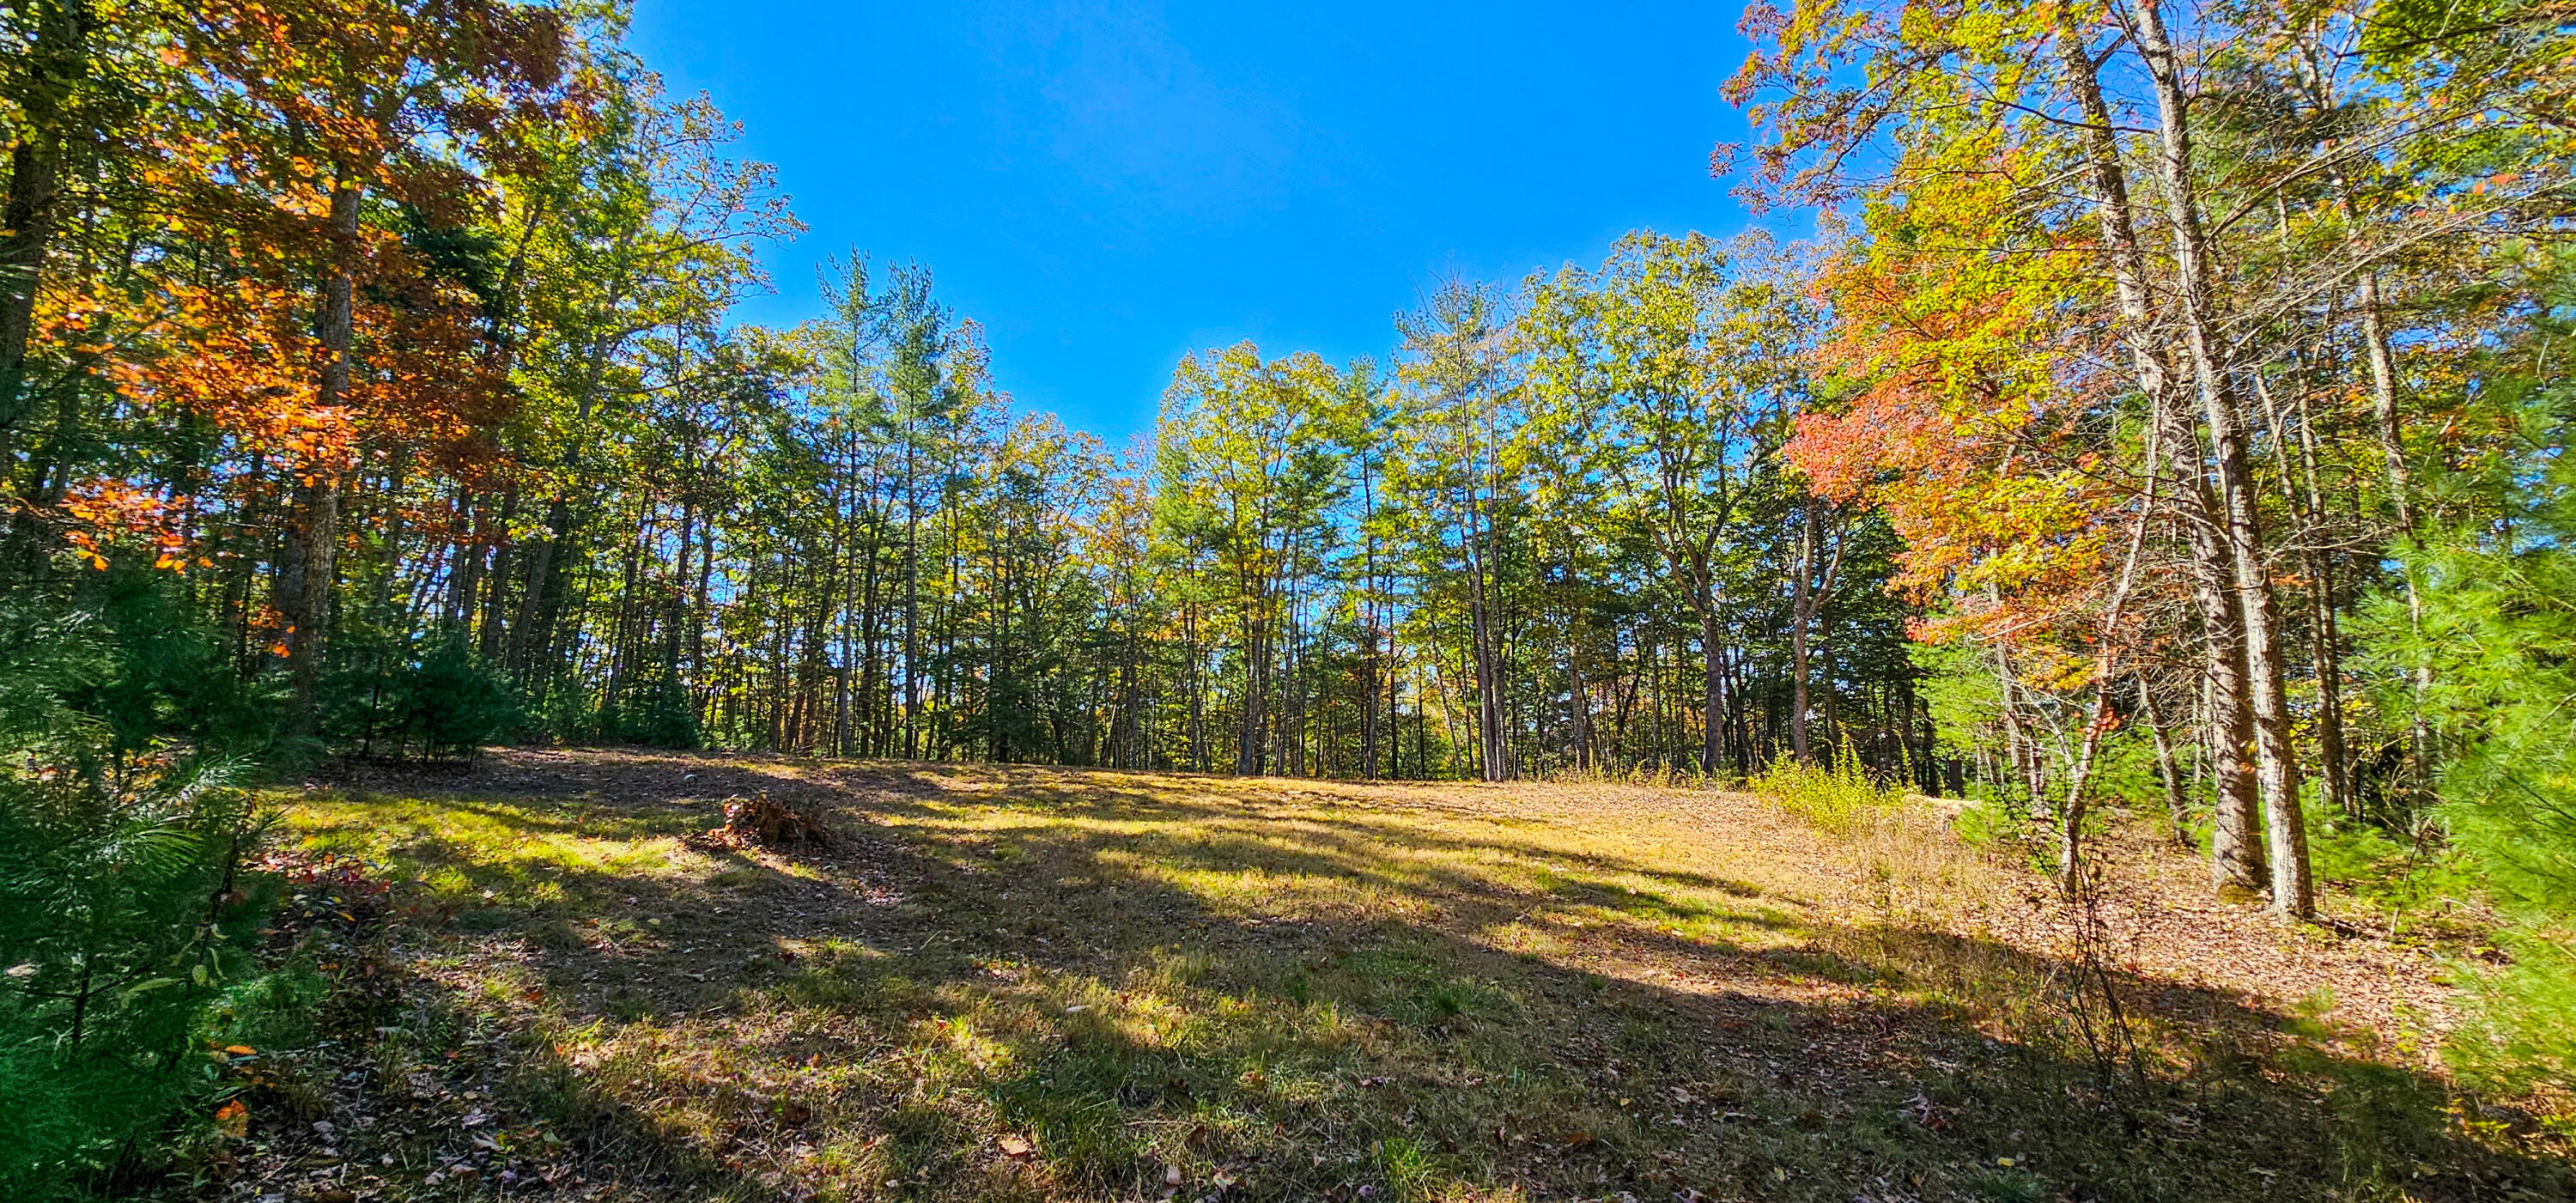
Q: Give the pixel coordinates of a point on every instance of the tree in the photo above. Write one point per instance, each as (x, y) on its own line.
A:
(319, 106)
(1245, 453)
(1668, 366)
(1459, 403)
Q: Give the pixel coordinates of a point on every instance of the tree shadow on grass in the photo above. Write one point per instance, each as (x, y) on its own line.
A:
(968, 1003)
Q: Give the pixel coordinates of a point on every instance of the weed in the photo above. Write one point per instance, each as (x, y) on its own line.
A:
(2010, 1186)
(1836, 798)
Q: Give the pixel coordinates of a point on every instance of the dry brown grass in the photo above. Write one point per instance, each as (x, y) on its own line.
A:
(1020, 983)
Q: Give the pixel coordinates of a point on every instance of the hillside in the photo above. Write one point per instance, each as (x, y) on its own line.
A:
(1020, 983)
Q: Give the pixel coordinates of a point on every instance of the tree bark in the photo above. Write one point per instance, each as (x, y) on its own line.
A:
(2097, 718)
(317, 522)
(2236, 859)
(1809, 590)
(2177, 799)
(55, 65)
(2293, 892)
(1712, 646)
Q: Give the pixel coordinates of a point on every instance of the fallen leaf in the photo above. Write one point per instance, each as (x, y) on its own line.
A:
(233, 1118)
(1016, 1145)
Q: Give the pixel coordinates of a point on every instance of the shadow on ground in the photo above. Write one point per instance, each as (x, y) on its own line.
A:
(1012, 983)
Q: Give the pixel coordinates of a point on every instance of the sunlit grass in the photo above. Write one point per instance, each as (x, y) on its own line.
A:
(522, 854)
(1024, 984)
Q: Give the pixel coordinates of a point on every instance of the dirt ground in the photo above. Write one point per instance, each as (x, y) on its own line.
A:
(1021, 983)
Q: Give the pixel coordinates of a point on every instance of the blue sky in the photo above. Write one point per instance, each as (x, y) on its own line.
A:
(1106, 185)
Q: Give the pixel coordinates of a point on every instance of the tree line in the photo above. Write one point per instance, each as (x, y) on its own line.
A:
(840, 539)
(2166, 412)
(380, 352)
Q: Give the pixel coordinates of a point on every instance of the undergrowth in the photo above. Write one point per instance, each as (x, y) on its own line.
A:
(1836, 797)
(2519, 1030)
(127, 917)
(125, 925)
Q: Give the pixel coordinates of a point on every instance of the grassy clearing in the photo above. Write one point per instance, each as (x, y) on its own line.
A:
(1041, 984)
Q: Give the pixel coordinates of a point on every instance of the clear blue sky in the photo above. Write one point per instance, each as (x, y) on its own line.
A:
(1106, 185)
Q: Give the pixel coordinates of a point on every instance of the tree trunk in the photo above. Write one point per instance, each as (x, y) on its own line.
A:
(1492, 758)
(2177, 798)
(2236, 860)
(317, 524)
(56, 63)
(1712, 645)
(2293, 893)
(2097, 717)
(1802, 610)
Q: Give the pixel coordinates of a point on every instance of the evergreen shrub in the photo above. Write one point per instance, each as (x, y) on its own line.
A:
(125, 963)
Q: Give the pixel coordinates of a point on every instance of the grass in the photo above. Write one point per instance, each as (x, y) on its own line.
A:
(1010, 983)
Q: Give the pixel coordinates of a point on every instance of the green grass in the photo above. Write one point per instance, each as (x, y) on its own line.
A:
(1035, 984)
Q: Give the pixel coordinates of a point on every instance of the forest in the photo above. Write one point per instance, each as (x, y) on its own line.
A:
(2143, 413)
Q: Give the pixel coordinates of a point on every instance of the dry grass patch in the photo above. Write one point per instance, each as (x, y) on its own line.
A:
(1012, 983)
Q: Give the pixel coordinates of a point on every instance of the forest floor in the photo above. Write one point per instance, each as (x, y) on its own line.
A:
(1029, 983)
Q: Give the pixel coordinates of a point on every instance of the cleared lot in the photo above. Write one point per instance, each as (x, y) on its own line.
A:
(1009, 983)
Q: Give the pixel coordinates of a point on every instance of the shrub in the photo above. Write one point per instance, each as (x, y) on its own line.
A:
(1988, 824)
(438, 702)
(123, 921)
(123, 909)
(1836, 797)
(157, 671)
(2519, 1029)
(452, 703)
(660, 714)
(2402, 877)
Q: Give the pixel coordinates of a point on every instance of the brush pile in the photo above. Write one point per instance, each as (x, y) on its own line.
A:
(758, 822)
